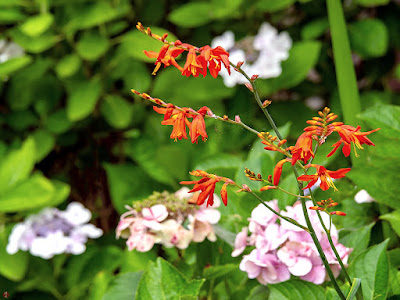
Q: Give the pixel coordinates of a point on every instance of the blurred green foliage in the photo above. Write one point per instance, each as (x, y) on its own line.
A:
(71, 130)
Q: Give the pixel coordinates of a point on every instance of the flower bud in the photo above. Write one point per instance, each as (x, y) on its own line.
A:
(266, 103)
(239, 64)
(249, 86)
(237, 119)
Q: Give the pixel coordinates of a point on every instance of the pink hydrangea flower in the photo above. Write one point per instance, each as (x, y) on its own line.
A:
(241, 241)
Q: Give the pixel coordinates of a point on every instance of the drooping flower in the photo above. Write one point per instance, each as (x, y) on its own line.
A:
(214, 57)
(198, 127)
(324, 175)
(303, 148)
(165, 56)
(278, 170)
(349, 134)
(178, 119)
(194, 65)
(52, 232)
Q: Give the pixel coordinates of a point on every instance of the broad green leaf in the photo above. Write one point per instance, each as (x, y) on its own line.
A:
(31, 193)
(226, 8)
(369, 38)
(134, 43)
(170, 283)
(191, 14)
(302, 57)
(124, 186)
(11, 15)
(371, 2)
(92, 45)
(68, 65)
(97, 13)
(331, 294)
(82, 98)
(296, 289)
(354, 288)
(117, 111)
(44, 143)
(394, 219)
(36, 25)
(207, 90)
(35, 44)
(273, 5)
(99, 285)
(372, 267)
(135, 261)
(386, 117)
(315, 28)
(260, 292)
(17, 165)
(213, 272)
(123, 287)
(40, 276)
(14, 266)
(58, 122)
(14, 64)
(357, 239)
(221, 161)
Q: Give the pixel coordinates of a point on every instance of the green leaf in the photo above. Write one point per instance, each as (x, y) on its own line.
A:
(260, 292)
(31, 193)
(273, 5)
(17, 165)
(135, 261)
(170, 283)
(358, 239)
(44, 143)
(369, 38)
(354, 288)
(134, 43)
(394, 219)
(191, 14)
(117, 111)
(315, 29)
(302, 57)
(213, 272)
(36, 25)
(225, 8)
(99, 285)
(68, 65)
(96, 13)
(369, 3)
(35, 44)
(372, 267)
(82, 98)
(58, 122)
(133, 73)
(11, 15)
(296, 289)
(124, 287)
(92, 45)
(14, 266)
(220, 161)
(386, 117)
(14, 64)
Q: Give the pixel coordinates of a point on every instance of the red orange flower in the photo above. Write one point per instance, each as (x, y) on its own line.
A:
(165, 56)
(324, 175)
(302, 150)
(214, 57)
(177, 118)
(207, 187)
(278, 170)
(193, 65)
(349, 135)
(198, 127)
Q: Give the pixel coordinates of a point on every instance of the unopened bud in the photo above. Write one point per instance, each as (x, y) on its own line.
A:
(239, 64)
(135, 92)
(269, 178)
(249, 86)
(246, 188)
(225, 118)
(339, 213)
(266, 103)
(148, 31)
(145, 96)
(139, 26)
(177, 43)
(237, 119)
(282, 142)
(164, 36)
(254, 77)
(316, 208)
(267, 187)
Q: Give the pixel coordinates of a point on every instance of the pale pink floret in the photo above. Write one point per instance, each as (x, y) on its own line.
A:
(272, 238)
(173, 234)
(241, 241)
(154, 215)
(142, 242)
(262, 216)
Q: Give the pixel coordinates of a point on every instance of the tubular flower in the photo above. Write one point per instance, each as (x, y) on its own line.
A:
(198, 127)
(302, 150)
(349, 135)
(324, 175)
(214, 57)
(165, 56)
(177, 118)
(194, 65)
(207, 186)
(278, 170)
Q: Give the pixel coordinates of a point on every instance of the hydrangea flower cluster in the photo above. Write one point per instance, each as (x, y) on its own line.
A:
(166, 219)
(51, 232)
(261, 54)
(282, 250)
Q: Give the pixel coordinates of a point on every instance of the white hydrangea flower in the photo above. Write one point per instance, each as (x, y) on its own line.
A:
(270, 48)
(51, 232)
(9, 50)
(363, 197)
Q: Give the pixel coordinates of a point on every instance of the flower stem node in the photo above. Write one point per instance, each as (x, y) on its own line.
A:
(266, 103)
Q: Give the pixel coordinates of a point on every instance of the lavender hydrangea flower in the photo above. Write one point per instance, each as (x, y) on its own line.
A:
(51, 232)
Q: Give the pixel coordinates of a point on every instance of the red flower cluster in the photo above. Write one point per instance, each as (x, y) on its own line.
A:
(198, 60)
(207, 187)
(178, 118)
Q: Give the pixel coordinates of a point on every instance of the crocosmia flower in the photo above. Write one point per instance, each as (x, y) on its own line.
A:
(324, 175)
(51, 232)
(193, 65)
(303, 148)
(165, 56)
(178, 119)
